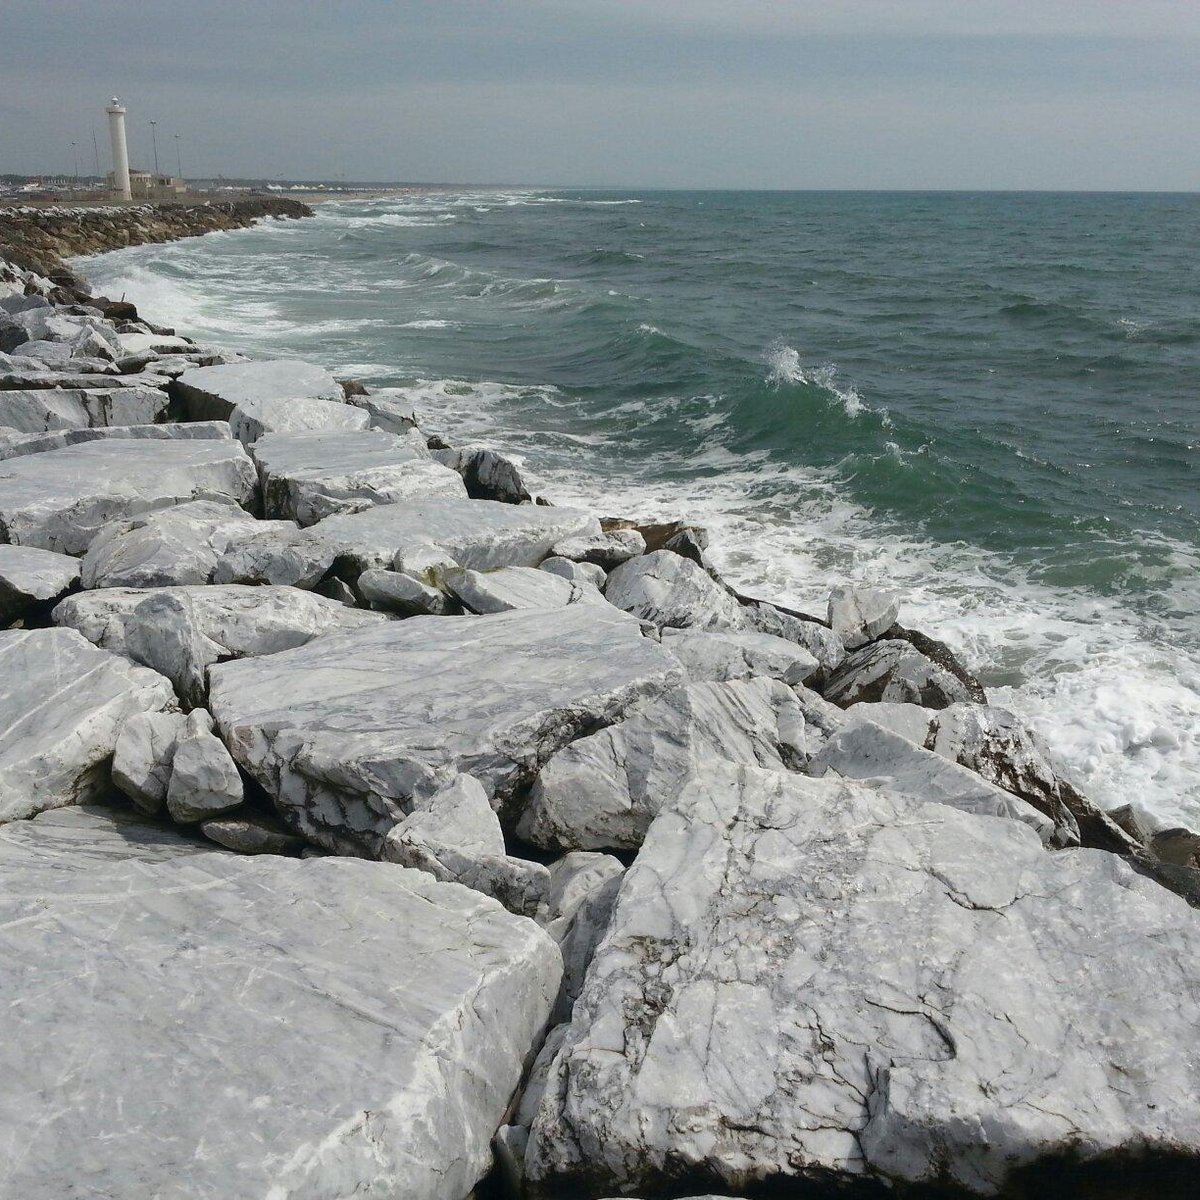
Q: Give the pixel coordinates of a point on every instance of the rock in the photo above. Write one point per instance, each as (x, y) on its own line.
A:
(583, 889)
(456, 837)
(390, 409)
(153, 343)
(672, 592)
(61, 499)
(606, 551)
(866, 751)
(809, 983)
(44, 410)
(257, 398)
(62, 705)
(273, 552)
(249, 1031)
(32, 581)
(59, 439)
(941, 654)
(182, 631)
(860, 615)
(347, 732)
(602, 791)
(721, 655)
(896, 671)
(251, 833)
(487, 474)
(393, 591)
(1175, 845)
(425, 562)
(168, 546)
(512, 588)
(690, 543)
(574, 572)
(822, 643)
(478, 534)
(310, 475)
(204, 779)
(142, 757)
(657, 534)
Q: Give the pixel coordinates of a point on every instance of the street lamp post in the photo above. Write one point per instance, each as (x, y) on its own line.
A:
(75, 156)
(154, 140)
(178, 157)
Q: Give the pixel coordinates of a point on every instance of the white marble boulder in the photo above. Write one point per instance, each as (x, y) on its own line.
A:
(32, 581)
(42, 410)
(348, 732)
(396, 592)
(204, 779)
(143, 755)
(269, 1027)
(718, 656)
(607, 551)
(603, 791)
(61, 499)
(811, 983)
(312, 474)
(62, 705)
(895, 671)
(859, 615)
(390, 409)
(182, 631)
(274, 396)
(672, 592)
(511, 588)
(819, 640)
(865, 751)
(574, 572)
(21, 444)
(481, 535)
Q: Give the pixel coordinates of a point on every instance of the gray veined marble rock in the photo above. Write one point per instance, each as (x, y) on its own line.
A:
(32, 581)
(894, 671)
(486, 474)
(479, 534)
(204, 779)
(721, 655)
(396, 592)
(607, 551)
(309, 475)
(273, 552)
(390, 409)
(511, 588)
(812, 982)
(182, 631)
(455, 835)
(347, 732)
(257, 398)
(142, 757)
(380, 1025)
(248, 832)
(860, 615)
(61, 499)
(62, 705)
(822, 643)
(574, 572)
(673, 592)
(21, 444)
(865, 751)
(44, 410)
(603, 791)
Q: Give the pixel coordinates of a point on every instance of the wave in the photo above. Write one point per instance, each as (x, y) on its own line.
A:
(786, 368)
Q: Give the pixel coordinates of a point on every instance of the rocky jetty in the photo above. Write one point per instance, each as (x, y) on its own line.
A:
(371, 826)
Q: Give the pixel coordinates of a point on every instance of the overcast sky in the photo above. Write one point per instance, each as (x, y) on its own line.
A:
(675, 93)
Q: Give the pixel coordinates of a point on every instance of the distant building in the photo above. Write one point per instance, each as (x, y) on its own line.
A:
(143, 185)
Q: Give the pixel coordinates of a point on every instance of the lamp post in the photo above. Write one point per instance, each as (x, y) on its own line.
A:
(178, 157)
(154, 141)
(75, 156)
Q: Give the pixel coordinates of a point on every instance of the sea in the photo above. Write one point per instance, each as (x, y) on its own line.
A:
(985, 403)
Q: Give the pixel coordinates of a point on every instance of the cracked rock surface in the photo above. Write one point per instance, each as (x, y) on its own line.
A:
(362, 1025)
(811, 980)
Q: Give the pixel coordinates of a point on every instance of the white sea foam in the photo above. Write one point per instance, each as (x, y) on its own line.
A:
(784, 367)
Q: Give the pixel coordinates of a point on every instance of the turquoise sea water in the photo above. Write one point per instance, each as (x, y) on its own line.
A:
(990, 403)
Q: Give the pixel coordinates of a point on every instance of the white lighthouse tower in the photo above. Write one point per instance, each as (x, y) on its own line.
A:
(120, 151)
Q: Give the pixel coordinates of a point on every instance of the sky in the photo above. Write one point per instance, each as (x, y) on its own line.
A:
(1056, 94)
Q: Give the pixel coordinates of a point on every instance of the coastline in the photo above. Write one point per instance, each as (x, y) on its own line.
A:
(848, 696)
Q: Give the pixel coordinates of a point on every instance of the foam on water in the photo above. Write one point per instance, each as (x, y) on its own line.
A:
(785, 367)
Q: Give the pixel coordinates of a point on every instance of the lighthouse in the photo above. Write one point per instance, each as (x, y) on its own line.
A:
(120, 152)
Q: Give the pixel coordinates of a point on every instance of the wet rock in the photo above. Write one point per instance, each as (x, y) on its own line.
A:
(62, 704)
(204, 779)
(812, 983)
(672, 592)
(860, 615)
(32, 581)
(487, 474)
(182, 631)
(247, 832)
(61, 499)
(478, 534)
(606, 551)
(373, 1081)
(513, 588)
(310, 475)
(347, 732)
(603, 791)
(895, 671)
(142, 757)
(721, 655)
(866, 751)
